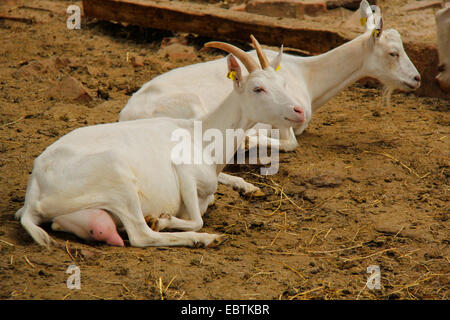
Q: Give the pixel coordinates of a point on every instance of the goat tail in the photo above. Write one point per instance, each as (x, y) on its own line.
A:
(30, 222)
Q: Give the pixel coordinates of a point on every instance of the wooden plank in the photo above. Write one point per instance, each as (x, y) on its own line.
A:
(422, 5)
(214, 22)
(348, 4)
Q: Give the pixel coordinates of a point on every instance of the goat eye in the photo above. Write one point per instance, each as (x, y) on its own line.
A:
(259, 90)
(394, 54)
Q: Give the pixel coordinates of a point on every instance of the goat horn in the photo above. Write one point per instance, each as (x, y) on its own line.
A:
(246, 59)
(261, 55)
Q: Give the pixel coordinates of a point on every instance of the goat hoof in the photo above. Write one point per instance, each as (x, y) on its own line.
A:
(255, 194)
(198, 244)
(165, 216)
(218, 241)
(287, 149)
(56, 227)
(163, 221)
(159, 223)
(152, 223)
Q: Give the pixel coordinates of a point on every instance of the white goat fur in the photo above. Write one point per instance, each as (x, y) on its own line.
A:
(125, 168)
(192, 91)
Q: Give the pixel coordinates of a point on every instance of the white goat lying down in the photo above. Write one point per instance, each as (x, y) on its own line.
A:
(124, 170)
(312, 80)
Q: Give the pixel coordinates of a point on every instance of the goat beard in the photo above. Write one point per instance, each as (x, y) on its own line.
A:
(386, 94)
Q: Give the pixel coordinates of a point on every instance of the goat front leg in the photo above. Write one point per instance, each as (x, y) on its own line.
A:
(237, 183)
(287, 140)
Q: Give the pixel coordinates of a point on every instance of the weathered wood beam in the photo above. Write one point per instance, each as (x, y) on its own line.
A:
(348, 4)
(213, 22)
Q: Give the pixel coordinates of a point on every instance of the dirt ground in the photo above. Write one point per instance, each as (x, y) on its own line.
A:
(369, 184)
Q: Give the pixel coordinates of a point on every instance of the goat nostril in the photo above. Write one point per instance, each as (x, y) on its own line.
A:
(417, 78)
(298, 110)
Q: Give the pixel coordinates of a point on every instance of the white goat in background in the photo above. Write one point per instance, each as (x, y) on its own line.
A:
(194, 90)
(126, 169)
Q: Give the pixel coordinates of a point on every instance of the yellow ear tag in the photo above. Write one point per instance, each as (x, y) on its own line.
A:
(278, 68)
(375, 32)
(231, 75)
(363, 21)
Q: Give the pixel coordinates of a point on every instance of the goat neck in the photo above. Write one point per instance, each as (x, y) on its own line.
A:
(229, 115)
(331, 72)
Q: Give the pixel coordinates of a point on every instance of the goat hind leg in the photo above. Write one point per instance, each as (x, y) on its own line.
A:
(140, 234)
(191, 207)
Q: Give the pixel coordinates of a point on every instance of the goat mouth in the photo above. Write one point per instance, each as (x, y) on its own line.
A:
(295, 121)
(411, 86)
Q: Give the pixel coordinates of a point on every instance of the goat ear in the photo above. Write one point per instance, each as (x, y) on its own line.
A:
(378, 30)
(365, 12)
(371, 19)
(276, 62)
(380, 27)
(234, 71)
